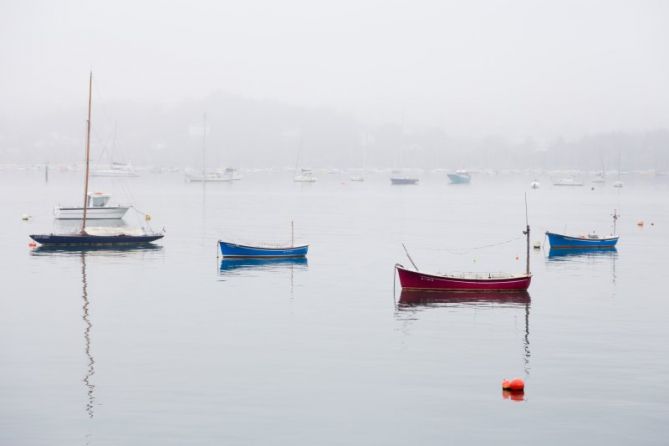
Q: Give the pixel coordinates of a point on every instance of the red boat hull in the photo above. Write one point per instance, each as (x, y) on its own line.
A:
(417, 280)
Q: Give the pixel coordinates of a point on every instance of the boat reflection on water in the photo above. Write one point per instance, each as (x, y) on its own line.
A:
(241, 265)
(90, 370)
(83, 253)
(566, 254)
(575, 257)
(413, 298)
(107, 251)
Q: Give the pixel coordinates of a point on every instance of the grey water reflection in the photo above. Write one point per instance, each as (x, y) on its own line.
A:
(577, 257)
(250, 267)
(414, 301)
(87, 339)
(82, 253)
(243, 266)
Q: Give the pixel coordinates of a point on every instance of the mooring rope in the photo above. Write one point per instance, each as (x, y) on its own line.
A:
(476, 248)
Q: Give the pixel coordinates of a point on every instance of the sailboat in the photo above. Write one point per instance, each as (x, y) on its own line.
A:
(305, 174)
(88, 237)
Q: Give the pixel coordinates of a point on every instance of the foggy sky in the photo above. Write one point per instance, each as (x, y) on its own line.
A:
(518, 69)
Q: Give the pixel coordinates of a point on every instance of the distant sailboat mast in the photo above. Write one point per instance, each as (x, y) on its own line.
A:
(88, 152)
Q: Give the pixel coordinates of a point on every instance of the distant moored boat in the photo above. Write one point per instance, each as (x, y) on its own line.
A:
(460, 177)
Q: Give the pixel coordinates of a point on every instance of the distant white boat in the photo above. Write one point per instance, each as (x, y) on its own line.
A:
(567, 182)
(357, 178)
(305, 176)
(97, 209)
(115, 170)
(535, 184)
(618, 184)
(228, 175)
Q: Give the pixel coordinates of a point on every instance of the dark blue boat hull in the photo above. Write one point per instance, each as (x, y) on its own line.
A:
(244, 251)
(559, 241)
(93, 240)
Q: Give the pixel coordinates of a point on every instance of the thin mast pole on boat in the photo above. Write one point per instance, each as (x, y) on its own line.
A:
(292, 234)
(88, 152)
(615, 219)
(527, 240)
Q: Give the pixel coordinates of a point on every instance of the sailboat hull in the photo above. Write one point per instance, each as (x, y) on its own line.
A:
(93, 240)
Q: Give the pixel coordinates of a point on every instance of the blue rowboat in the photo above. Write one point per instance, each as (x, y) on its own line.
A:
(559, 241)
(235, 250)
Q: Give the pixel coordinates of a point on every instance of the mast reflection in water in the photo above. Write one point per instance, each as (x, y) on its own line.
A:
(90, 371)
(412, 300)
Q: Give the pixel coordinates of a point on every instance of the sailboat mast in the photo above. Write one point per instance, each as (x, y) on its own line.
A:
(527, 240)
(88, 152)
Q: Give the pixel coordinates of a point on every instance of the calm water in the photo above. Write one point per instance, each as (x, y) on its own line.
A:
(173, 346)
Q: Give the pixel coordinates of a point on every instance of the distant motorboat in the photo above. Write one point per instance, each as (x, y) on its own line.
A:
(399, 179)
(96, 209)
(357, 178)
(115, 170)
(567, 182)
(535, 184)
(305, 176)
(459, 177)
(618, 184)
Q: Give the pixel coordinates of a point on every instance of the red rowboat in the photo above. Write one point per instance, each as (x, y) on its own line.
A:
(418, 280)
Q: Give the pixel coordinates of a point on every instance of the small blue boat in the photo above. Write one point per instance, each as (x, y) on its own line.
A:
(560, 241)
(244, 251)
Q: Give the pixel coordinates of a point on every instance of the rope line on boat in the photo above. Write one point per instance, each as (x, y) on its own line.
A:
(476, 248)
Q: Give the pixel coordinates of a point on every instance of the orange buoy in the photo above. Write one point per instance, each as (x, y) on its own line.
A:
(32, 244)
(514, 385)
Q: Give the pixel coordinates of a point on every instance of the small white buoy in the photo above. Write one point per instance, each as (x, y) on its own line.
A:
(25, 217)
